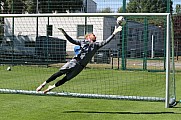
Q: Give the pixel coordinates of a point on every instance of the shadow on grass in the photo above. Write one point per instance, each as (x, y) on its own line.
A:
(102, 112)
(176, 107)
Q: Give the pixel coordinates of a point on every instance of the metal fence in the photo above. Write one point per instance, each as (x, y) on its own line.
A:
(91, 6)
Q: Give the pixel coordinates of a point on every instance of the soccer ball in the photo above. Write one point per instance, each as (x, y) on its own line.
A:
(121, 21)
(8, 69)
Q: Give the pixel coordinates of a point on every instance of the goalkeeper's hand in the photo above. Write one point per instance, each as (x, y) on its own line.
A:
(117, 29)
(62, 30)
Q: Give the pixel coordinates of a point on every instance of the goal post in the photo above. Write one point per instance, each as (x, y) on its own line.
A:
(32, 49)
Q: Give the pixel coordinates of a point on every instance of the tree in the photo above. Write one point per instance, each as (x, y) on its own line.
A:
(45, 6)
(49, 6)
(178, 9)
(30, 6)
(148, 6)
(13, 6)
(120, 10)
(17, 6)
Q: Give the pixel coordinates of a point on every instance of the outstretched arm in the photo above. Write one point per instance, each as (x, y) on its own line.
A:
(77, 42)
(116, 30)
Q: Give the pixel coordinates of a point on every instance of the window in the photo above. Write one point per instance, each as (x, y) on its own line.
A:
(81, 30)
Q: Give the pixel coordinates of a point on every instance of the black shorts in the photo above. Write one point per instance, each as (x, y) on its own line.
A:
(72, 67)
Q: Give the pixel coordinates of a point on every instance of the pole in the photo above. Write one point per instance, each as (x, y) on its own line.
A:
(152, 46)
(12, 43)
(85, 28)
(167, 62)
(124, 42)
(145, 44)
(124, 6)
(37, 7)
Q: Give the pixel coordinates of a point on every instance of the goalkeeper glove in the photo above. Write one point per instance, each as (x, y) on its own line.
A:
(117, 29)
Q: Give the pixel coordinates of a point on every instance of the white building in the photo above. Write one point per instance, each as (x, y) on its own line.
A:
(74, 26)
(27, 29)
(102, 27)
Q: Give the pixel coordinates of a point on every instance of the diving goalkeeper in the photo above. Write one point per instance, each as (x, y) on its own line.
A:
(88, 48)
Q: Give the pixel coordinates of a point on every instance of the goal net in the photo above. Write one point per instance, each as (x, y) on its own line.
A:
(136, 65)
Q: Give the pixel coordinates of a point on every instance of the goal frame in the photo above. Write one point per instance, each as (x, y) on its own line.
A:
(168, 40)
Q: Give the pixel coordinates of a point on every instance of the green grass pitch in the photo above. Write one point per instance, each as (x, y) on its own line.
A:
(33, 107)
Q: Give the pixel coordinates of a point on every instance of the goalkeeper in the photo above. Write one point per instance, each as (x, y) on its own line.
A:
(89, 46)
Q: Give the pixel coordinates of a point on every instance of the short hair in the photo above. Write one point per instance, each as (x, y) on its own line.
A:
(87, 35)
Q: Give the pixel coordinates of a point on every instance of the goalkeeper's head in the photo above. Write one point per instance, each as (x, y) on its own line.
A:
(91, 37)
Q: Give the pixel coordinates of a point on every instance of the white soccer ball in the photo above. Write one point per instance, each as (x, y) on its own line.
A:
(8, 69)
(121, 21)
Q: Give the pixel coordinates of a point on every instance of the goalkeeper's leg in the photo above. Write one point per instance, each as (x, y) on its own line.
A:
(74, 72)
(60, 82)
(53, 77)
